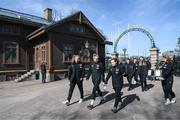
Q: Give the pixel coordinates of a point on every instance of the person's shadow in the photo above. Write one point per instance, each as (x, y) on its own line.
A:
(149, 86)
(88, 97)
(109, 97)
(134, 86)
(126, 85)
(126, 100)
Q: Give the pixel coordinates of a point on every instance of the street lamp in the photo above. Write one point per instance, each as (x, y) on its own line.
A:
(178, 43)
(124, 50)
(178, 58)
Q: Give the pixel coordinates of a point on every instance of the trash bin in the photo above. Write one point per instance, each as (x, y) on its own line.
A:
(37, 76)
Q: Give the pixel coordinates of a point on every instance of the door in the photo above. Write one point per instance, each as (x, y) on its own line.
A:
(40, 56)
(37, 58)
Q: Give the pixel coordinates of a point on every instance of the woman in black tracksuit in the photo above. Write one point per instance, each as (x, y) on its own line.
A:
(96, 70)
(167, 80)
(143, 71)
(117, 72)
(129, 71)
(75, 76)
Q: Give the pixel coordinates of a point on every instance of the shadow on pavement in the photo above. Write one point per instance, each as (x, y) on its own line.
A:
(128, 99)
(109, 97)
(149, 86)
(89, 95)
(74, 102)
(125, 85)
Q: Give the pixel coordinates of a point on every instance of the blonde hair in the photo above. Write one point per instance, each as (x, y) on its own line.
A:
(167, 57)
(115, 59)
(73, 58)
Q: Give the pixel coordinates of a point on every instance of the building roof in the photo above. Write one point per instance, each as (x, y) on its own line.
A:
(44, 24)
(23, 17)
(51, 26)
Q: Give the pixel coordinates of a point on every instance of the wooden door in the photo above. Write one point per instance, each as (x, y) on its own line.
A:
(37, 58)
(40, 56)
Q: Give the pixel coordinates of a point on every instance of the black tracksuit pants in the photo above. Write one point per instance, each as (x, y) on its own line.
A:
(167, 88)
(72, 86)
(129, 78)
(117, 95)
(96, 88)
(143, 81)
(43, 77)
(135, 75)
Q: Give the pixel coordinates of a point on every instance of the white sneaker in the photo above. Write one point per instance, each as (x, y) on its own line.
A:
(66, 102)
(173, 100)
(81, 100)
(167, 102)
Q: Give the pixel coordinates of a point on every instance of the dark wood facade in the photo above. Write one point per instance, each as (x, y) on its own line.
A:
(73, 35)
(24, 45)
(16, 53)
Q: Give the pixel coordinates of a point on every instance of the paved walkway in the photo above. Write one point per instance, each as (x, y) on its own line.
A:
(32, 100)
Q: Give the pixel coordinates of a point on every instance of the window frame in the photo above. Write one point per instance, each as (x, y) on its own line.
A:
(13, 29)
(43, 53)
(88, 56)
(77, 28)
(69, 45)
(17, 53)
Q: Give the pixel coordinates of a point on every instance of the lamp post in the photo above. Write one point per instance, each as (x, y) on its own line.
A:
(178, 43)
(178, 57)
(124, 50)
(178, 49)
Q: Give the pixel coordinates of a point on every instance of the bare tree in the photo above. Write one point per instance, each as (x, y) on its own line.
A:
(56, 15)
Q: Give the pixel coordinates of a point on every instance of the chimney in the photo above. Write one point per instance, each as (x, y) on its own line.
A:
(48, 14)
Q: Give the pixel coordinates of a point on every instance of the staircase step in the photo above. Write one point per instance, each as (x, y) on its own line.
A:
(25, 76)
(29, 73)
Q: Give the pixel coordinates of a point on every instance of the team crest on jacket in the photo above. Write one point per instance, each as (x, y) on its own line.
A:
(97, 66)
(165, 66)
(80, 65)
(117, 71)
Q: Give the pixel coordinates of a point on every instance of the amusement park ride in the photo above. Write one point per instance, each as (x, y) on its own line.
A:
(154, 51)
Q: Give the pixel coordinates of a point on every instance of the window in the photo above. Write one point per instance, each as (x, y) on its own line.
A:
(85, 55)
(43, 53)
(11, 53)
(77, 28)
(68, 52)
(10, 28)
(36, 54)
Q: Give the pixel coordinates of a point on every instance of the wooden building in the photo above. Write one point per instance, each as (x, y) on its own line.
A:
(26, 41)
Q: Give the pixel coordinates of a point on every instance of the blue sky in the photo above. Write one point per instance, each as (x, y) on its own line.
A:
(160, 17)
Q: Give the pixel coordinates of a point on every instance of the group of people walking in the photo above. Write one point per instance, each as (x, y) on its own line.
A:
(137, 69)
(76, 74)
(130, 69)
